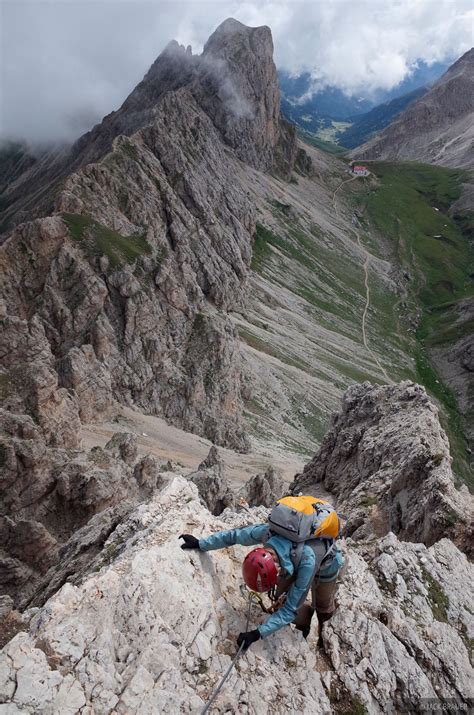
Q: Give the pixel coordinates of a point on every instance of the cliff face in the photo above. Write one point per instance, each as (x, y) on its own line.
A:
(438, 128)
(139, 274)
(238, 89)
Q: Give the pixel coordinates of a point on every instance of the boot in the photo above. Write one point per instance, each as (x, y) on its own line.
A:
(322, 618)
(303, 619)
(304, 630)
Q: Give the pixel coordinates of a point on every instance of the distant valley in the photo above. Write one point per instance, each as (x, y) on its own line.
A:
(348, 121)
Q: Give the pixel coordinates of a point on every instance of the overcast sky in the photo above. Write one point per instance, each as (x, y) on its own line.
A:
(67, 63)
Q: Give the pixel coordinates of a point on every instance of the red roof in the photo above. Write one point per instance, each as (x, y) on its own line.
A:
(359, 166)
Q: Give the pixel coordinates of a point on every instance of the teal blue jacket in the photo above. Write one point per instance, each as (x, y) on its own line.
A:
(307, 569)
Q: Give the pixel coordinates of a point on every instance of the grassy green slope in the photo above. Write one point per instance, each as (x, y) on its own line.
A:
(435, 252)
(309, 317)
(98, 240)
(310, 295)
(330, 282)
(314, 140)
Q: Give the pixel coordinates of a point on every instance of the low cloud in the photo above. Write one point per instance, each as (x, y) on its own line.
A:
(364, 45)
(221, 75)
(67, 63)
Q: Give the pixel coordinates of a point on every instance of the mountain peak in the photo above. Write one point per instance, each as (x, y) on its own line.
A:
(239, 43)
(234, 81)
(239, 90)
(173, 47)
(437, 128)
(230, 26)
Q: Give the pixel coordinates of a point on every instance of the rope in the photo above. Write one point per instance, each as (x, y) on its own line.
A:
(247, 593)
(226, 674)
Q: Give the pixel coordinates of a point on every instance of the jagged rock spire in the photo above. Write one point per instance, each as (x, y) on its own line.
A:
(244, 101)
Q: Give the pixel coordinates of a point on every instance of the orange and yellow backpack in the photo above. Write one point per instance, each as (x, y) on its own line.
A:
(304, 519)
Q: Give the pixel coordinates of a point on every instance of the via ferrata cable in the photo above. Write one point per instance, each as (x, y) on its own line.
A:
(234, 660)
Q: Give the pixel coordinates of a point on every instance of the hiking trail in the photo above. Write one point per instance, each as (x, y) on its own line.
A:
(366, 283)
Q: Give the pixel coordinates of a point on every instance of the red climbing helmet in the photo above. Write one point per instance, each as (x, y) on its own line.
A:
(259, 570)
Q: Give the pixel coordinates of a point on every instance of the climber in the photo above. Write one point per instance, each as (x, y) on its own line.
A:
(273, 567)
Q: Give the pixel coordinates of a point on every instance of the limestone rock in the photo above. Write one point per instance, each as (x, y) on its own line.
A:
(123, 445)
(213, 487)
(386, 458)
(6, 605)
(30, 380)
(48, 495)
(26, 475)
(144, 641)
(29, 541)
(88, 377)
(213, 459)
(147, 473)
(79, 555)
(264, 489)
(214, 491)
(87, 486)
(401, 632)
(237, 64)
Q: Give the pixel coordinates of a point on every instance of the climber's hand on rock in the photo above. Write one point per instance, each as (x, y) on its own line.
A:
(190, 541)
(248, 638)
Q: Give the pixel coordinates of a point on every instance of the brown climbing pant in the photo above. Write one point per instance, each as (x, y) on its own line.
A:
(323, 594)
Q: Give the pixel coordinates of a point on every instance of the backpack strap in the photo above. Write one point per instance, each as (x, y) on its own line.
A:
(321, 552)
(319, 548)
(266, 535)
(330, 551)
(296, 554)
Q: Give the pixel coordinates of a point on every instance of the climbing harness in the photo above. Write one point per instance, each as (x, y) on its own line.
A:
(254, 595)
(216, 692)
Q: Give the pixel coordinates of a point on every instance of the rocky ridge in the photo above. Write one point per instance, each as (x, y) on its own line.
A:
(124, 293)
(134, 637)
(233, 81)
(156, 228)
(113, 625)
(386, 458)
(437, 128)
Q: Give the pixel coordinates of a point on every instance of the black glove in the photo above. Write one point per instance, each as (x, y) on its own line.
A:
(248, 638)
(190, 541)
